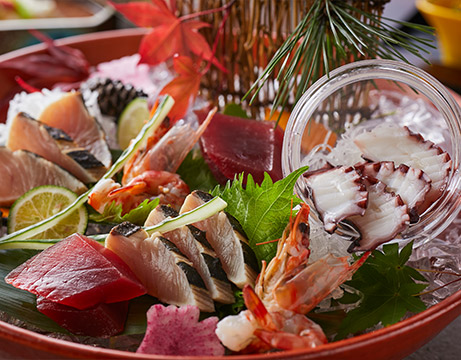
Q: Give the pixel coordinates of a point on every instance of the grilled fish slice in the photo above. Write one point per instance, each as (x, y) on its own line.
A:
(411, 184)
(386, 216)
(192, 242)
(71, 115)
(160, 266)
(54, 145)
(22, 170)
(227, 238)
(400, 145)
(337, 192)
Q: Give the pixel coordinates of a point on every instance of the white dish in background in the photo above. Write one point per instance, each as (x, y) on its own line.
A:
(99, 14)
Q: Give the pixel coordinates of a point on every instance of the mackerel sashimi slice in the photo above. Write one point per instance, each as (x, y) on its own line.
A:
(192, 242)
(77, 272)
(232, 145)
(227, 238)
(167, 274)
(71, 115)
(54, 145)
(22, 170)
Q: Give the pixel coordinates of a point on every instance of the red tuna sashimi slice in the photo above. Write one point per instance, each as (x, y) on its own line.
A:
(232, 145)
(71, 115)
(77, 272)
(102, 320)
(22, 170)
(177, 331)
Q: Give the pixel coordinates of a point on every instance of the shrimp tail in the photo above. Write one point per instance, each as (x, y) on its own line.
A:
(257, 308)
(286, 341)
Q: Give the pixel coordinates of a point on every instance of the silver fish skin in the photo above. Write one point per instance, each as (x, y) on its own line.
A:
(192, 242)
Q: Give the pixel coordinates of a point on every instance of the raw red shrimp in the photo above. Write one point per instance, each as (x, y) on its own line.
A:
(282, 329)
(286, 289)
(168, 152)
(168, 187)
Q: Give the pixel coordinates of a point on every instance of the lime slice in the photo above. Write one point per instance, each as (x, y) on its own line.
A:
(131, 121)
(42, 202)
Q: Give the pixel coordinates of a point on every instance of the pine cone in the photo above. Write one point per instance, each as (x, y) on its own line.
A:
(113, 95)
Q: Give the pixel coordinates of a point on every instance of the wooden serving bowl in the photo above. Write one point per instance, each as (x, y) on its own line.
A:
(393, 342)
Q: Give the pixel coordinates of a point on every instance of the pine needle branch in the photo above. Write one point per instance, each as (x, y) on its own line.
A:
(332, 33)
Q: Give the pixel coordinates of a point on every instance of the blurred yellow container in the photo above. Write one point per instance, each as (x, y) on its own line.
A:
(445, 16)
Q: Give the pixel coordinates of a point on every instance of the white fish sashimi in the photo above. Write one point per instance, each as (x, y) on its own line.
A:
(22, 170)
(54, 145)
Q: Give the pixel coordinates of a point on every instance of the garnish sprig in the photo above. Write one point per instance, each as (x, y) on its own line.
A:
(330, 35)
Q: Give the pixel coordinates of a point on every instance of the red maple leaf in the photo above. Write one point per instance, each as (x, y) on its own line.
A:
(183, 88)
(170, 35)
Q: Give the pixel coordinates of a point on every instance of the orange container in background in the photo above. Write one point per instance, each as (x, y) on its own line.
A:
(445, 16)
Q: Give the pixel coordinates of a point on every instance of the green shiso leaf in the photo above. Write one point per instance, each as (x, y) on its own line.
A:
(262, 210)
(223, 310)
(389, 290)
(113, 213)
(136, 321)
(196, 173)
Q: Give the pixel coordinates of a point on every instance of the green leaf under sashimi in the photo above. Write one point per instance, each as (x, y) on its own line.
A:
(262, 210)
(196, 173)
(113, 213)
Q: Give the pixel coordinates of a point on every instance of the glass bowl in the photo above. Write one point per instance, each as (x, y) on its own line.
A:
(363, 95)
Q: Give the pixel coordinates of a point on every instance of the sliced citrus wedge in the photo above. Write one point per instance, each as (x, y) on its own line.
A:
(41, 203)
(131, 121)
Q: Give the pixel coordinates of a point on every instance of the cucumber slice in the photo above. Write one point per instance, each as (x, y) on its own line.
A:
(200, 213)
(43, 202)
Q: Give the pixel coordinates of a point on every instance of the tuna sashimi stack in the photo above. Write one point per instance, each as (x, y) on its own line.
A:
(79, 278)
